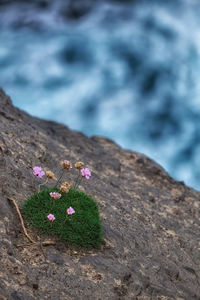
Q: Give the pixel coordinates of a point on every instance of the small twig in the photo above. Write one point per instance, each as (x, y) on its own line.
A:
(21, 220)
(48, 243)
(45, 243)
(24, 245)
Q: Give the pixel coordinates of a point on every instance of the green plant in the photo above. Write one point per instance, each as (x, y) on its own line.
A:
(71, 215)
(82, 229)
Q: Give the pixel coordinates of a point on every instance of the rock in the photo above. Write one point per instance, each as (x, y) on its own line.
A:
(150, 221)
(56, 258)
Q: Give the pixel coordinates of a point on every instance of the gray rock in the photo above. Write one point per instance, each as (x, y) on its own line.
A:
(150, 221)
(21, 295)
(56, 258)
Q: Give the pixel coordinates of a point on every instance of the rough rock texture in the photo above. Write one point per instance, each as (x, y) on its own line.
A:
(151, 222)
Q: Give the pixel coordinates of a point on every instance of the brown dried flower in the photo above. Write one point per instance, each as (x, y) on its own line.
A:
(79, 165)
(49, 174)
(66, 165)
(65, 187)
(67, 184)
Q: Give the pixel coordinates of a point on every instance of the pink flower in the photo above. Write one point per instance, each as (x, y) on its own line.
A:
(51, 218)
(86, 173)
(38, 172)
(70, 211)
(55, 195)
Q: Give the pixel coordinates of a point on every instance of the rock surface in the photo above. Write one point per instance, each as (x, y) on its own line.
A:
(150, 222)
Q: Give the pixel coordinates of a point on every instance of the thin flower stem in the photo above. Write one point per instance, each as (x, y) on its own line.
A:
(77, 179)
(60, 177)
(42, 184)
(34, 184)
(78, 182)
(71, 180)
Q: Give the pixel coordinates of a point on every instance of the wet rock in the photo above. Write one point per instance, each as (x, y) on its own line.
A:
(150, 221)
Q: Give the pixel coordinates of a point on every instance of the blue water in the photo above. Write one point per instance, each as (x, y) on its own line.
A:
(129, 72)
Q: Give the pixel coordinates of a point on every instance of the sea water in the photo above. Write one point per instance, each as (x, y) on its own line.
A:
(130, 72)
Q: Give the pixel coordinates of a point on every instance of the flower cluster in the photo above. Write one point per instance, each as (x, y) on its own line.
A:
(70, 211)
(65, 187)
(38, 172)
(51, 217)
(66, 165)
(66, 168)
(86, 173)
(55, 196)
(50, 174)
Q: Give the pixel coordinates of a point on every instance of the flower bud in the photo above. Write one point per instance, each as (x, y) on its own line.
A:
(49, 174)
(64, 189)
(79, 165)
(66, 165)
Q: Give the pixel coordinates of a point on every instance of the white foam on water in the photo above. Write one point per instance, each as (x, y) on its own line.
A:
(91, 76)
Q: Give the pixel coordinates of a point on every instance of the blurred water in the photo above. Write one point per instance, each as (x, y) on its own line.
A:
(128, 72)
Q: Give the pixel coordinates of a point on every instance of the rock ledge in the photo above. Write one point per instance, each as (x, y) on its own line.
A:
(151, 222)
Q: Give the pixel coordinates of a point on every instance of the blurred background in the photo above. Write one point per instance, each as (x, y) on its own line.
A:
(127, 70)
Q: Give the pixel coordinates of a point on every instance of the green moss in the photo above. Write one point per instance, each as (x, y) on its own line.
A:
(80, 230)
